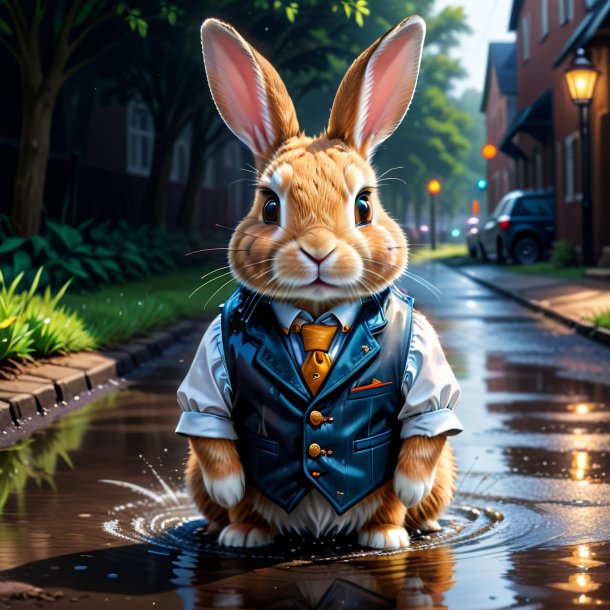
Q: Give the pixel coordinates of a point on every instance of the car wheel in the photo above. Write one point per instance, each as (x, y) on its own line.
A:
(526, 250)
(472, 251)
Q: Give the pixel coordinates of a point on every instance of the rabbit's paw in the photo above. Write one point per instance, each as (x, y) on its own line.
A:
(385, 537)
(244, 535)
(412, 491)
(429, 526)
(226, 491)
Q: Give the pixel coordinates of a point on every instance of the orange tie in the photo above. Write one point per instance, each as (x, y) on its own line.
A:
(316, 343)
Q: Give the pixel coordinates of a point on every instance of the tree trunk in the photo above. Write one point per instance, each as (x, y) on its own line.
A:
(155, 198)
(193, 185)
(28, 186)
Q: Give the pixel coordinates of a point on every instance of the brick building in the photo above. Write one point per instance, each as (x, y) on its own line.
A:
(498, 104)
(543, 138)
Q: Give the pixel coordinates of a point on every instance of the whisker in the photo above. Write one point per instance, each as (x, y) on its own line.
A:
(217, 291)
(259, 262)
(217, 249)
(389, 170)
(214, 279)
(249, 234)
(425, 283)
(390, 178)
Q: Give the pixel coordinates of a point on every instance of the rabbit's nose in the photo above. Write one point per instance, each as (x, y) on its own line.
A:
(316, 258)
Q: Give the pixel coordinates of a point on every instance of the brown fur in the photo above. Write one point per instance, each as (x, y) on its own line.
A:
(319, 179)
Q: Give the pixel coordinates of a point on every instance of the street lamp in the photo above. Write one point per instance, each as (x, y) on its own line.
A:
(581, 77)
(489, 151)
(434, 188)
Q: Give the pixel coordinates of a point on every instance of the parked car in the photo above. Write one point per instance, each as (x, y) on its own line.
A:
(522, 228)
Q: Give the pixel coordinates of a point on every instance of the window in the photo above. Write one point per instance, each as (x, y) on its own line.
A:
(140, 138)
(566, 11)
(181, 156)
(589, 4)
(533, 206)
(544, 19)
(569, 167)
(525, 37)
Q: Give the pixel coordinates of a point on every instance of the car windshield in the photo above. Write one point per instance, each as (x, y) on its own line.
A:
(502, 207)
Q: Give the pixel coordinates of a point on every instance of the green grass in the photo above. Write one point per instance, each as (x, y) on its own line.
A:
(34, 324)
(601, 319)
(546, 269)
(442, 252)
(113, 315)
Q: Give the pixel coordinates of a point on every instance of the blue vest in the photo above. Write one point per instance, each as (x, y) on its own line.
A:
(358, 439)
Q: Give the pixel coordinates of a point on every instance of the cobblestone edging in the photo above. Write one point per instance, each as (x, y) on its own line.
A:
(587, 329)
(44, 390)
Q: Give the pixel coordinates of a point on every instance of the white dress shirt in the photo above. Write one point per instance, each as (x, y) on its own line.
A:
(430, 390)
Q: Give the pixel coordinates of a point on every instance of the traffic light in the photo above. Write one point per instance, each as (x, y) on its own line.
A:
(476, 207)
(481, 184)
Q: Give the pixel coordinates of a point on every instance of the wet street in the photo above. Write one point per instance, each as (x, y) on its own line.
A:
(102, 518)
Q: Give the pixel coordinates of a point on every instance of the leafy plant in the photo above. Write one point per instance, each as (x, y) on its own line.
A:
(563, 255)
(92, 255)
(36, 324)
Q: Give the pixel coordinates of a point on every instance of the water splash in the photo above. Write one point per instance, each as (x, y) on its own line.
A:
(165, 517)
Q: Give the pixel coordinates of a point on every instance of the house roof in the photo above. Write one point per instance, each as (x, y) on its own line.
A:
(502, 59)
(534, 119)
(514, 15)
(593, 21)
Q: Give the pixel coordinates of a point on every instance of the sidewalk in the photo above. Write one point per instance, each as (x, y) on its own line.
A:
(48, 389)
(568, 301)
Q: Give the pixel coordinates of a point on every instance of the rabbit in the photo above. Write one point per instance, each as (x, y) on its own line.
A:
(317, 239)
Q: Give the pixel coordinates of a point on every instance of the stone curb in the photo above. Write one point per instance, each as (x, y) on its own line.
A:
(587, 329)
(55, 381)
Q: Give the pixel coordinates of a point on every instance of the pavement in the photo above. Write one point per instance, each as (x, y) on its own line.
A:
(44, 390)
(571, 302)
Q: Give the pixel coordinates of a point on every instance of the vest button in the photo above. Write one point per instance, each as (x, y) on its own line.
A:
(314, 450)
(316, 418)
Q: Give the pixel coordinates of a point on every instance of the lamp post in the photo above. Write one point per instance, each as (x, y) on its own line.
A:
(581, 77)
(434, 188)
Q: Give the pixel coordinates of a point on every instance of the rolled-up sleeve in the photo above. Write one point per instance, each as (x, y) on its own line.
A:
(205, 393)
(430, 388)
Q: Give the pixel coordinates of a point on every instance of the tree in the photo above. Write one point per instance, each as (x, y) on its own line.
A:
(167, 74)
(50, 43)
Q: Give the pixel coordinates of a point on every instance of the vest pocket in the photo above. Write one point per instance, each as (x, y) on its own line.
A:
(260, 442)
(370, 442)
(370, 391)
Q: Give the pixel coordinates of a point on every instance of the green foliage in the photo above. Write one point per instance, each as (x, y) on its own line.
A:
(93, 254)
(563, 255)
(601, 319)
(32, 324)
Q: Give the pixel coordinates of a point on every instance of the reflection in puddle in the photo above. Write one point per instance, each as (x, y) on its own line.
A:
(576, 575)
(579, 465)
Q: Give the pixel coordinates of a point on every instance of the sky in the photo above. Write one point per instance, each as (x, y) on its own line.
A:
(489, 22)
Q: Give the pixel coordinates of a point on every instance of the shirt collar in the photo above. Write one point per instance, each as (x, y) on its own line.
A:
(286, 314)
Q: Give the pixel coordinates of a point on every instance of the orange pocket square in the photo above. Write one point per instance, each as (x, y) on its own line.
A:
(375, 383)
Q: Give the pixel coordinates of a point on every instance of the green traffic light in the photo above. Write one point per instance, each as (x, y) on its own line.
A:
(482, 184)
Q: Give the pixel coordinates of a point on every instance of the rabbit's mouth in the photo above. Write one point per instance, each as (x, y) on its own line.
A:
(319, 283)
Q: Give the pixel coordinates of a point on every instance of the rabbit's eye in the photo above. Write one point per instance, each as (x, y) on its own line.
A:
(363, 210)
(271, 211)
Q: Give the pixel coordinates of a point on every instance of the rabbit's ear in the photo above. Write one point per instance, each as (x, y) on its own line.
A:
(377, 89)
(248, 92)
